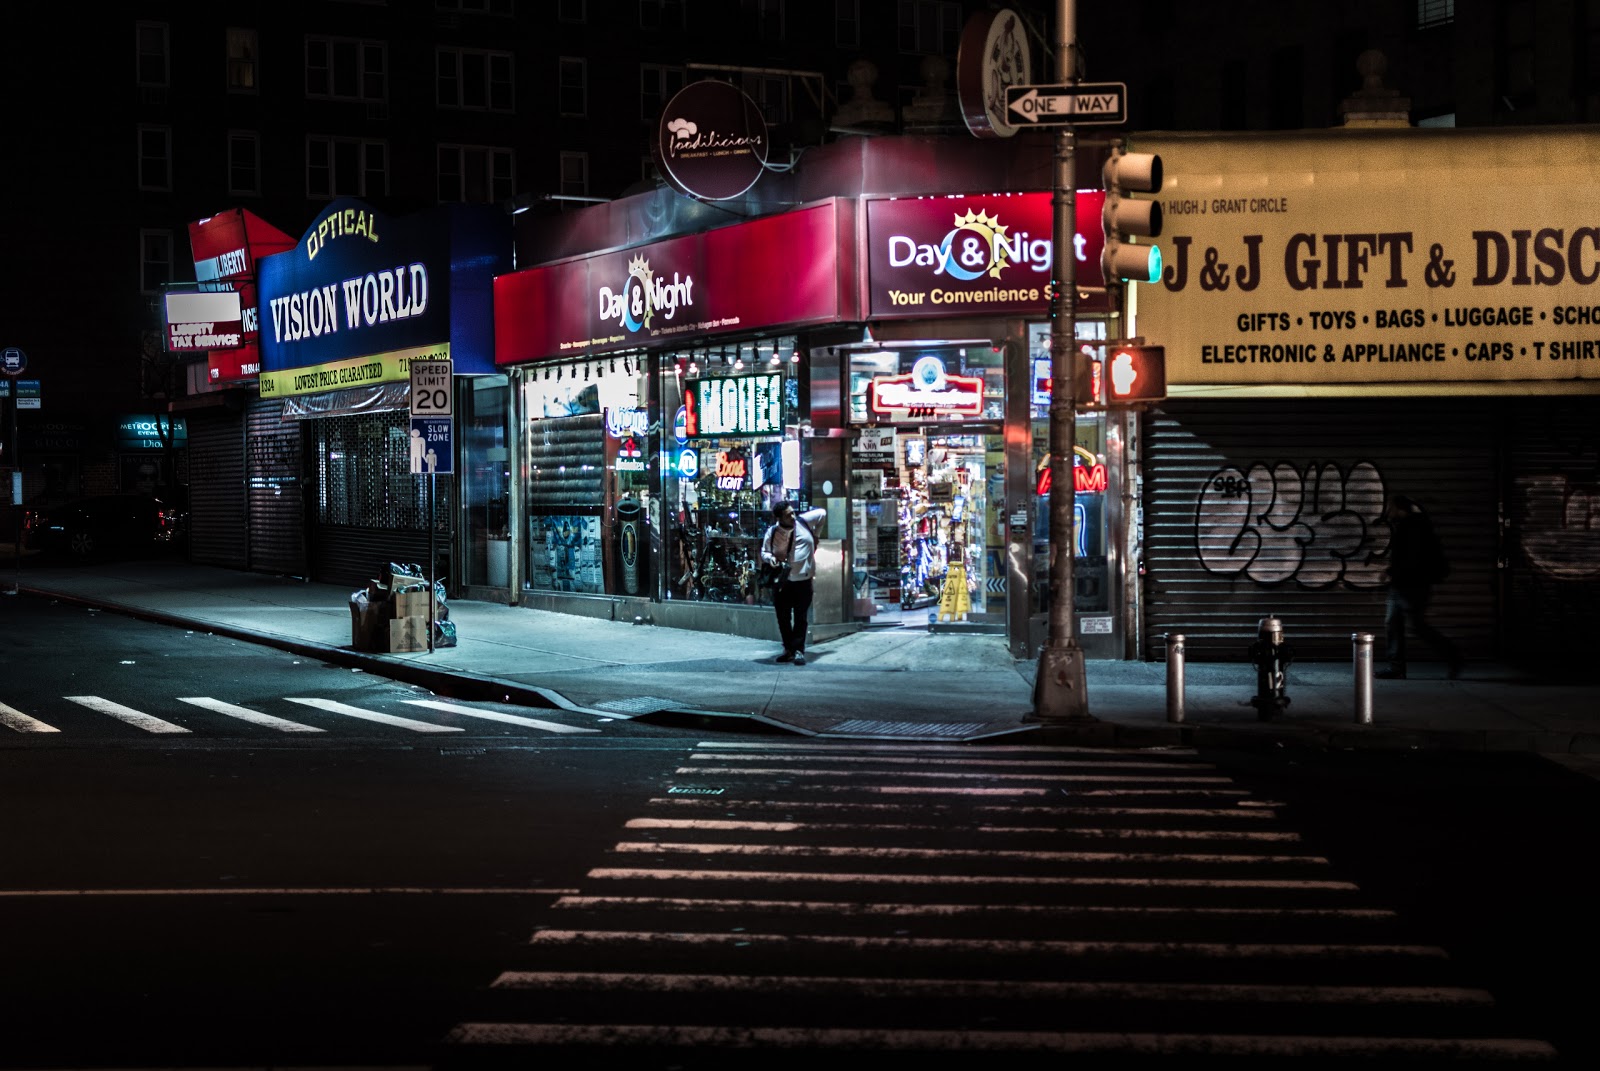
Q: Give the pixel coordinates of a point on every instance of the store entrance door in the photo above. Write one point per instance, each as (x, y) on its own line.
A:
(930, 533)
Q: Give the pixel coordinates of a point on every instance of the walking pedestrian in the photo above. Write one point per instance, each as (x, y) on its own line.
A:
(1416, 563)
(789, 549)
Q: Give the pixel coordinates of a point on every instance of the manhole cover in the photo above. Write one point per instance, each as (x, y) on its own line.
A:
(907, 728)
(643, 704)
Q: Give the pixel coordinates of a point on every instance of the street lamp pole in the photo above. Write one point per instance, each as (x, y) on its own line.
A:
(1060, 691)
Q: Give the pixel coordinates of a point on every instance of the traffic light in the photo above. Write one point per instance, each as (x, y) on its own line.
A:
(1124, 217)
(1135, 374)
(1088, 388)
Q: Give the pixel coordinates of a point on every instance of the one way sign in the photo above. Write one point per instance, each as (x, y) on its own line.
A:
(1104, 103)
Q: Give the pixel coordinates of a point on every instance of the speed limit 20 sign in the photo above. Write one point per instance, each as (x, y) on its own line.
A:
(431, 393)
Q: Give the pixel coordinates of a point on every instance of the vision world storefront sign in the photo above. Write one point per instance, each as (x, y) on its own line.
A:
(1378, 257)
(361, 287)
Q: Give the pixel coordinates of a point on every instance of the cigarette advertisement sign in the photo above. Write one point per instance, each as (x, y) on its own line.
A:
(1355, 258)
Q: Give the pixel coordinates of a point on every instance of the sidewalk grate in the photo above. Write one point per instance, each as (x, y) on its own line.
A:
(639, 704)
(906, 728)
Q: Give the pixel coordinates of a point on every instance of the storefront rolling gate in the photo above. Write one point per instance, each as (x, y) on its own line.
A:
(218, 534)
(1272, 508)
(368, 508)
(273, 490)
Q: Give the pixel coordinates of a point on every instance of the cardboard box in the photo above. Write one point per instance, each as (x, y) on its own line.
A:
(408, 634)
(413, 604)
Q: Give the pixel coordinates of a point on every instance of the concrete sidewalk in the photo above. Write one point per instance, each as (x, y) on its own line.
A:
(896, 684)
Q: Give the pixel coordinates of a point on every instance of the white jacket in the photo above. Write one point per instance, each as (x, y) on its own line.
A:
(803, 559)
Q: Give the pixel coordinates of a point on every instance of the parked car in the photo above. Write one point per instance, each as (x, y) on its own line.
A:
(125, 525)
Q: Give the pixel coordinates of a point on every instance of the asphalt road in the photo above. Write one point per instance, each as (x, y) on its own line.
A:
(244, 894)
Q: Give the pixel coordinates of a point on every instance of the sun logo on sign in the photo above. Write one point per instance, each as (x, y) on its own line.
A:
(637, 310)
(982, 250)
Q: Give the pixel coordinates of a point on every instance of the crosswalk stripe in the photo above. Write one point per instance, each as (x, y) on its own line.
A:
(1095, 881)
(1217, 950)
(12, 718)
(255, 717)
(986, 762)
(858, 909)
(493, 715)
(759, 1038)
(725, 803)
(727, 825)
(839, 851)
(991, 988)
(138, 718)
(335, 707)
(770, 771)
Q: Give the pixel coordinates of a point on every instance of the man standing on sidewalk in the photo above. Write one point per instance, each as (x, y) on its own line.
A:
(791, 544)
(1416, 563)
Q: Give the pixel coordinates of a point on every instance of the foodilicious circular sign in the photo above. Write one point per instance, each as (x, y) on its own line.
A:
(993, 56)
(711, 141)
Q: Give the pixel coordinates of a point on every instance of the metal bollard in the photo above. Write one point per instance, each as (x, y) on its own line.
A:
(1361, 642)
(1175, 676)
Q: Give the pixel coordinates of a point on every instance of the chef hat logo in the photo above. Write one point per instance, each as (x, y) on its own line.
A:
(682, 129)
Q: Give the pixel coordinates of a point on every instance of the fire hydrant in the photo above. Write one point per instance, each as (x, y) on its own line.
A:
(1271, 657)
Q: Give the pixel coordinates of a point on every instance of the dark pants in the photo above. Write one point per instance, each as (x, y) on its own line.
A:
(1410, 605)
(792, 600)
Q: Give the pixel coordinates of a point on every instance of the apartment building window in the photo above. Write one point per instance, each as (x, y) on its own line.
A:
(847, 23)
(1435, 13)
(657, 84)
(244, 162)
(154, 60)
(572, 11)
(765, 18)
(1516, 67)
(660, 14)
(155, 158)
(346, 69)
(241, 60)
(573, 89)
(771, 94)
(475, 174)
(476, 7)
(346, 167)
(575, 174)
(930, 26)
(470, 78)
(155, 260)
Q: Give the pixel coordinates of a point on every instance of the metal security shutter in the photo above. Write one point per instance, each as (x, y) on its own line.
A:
(369, 509)
(273, 491)
(217, 530)
(1553, 539)
(1271, 507)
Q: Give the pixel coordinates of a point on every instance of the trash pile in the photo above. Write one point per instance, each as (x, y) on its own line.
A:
(390, 616)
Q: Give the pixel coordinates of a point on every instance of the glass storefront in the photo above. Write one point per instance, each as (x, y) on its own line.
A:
(927, 482)
(485, 482)
(732, 453)
(1090, 515)
(591, 450)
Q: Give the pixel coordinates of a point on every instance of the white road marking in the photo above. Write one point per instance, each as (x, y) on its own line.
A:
(1377, 995)
(769, 771)
(664, 874)
(832, 851)
(382, 890)
(934, 749)
(12, 718)
(852, 908)
(372, 715)
(914, 760)
(718, 824)
(492, 715)
(255, 717)
(610, 1035)
(724, 803)
(137, 718)
(1218, 950)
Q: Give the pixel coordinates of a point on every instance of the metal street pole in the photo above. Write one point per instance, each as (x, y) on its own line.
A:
(1060, 690)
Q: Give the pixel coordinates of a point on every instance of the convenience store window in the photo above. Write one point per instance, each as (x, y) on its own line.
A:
(592, 444)
(731, 453)
(1090, 517)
